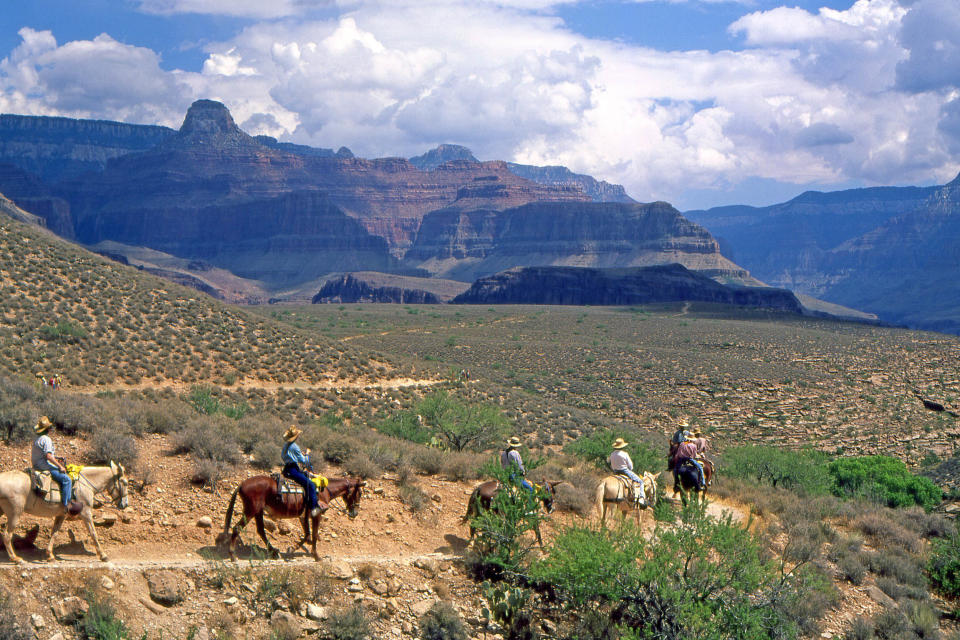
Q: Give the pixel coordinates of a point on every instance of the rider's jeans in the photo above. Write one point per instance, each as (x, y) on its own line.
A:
(293, 472)
(630, 474)
(66, 485)
(523, 482)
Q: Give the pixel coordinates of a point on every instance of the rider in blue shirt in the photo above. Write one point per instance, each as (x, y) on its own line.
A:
(294, 463)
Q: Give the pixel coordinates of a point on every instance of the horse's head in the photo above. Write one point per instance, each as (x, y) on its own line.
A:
(650, 487)
(353, 495)
(119, 485)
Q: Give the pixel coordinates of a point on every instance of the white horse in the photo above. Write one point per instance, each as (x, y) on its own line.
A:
(17, 497)
(613, 491)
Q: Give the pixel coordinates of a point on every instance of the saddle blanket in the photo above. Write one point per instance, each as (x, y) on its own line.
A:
(633, 490)
(287, 486)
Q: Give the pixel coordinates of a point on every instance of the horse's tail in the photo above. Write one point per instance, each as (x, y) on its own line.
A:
(599, 495)
(229, 516)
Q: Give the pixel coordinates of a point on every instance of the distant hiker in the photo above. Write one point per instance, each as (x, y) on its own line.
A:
(511, 461)
(42, 379)
(687, 452)
(43, 459)
(58, 381)
(294, 463)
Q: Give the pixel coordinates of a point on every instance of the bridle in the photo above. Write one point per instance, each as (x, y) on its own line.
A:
(115, 491)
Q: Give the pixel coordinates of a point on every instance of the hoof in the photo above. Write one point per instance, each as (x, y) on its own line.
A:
(104, 558)
(16, 560)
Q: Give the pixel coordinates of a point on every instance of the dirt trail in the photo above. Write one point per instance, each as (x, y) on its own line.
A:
(325, 385)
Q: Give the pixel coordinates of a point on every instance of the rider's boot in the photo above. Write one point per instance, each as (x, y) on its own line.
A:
(320, 508)
(74, 508)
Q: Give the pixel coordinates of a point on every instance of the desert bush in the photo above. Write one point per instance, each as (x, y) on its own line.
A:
(442, 622)
(428, 461)
(859, 629)
(805, 470)
(885, 480)
(72, 413)
(893, 563)
(886, 532)
(348, 624)
(359, 464)
(208, 438)
(414, 497)
(576, 499)
(169, 415)
(16, 422)
(111, 443)
(460, 465)
(943, 565)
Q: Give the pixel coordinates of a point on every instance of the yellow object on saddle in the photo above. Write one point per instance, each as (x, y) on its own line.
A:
(320, 481)
(73, 470)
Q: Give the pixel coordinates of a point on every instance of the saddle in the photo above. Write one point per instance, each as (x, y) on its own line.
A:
(44, 486)
(633, 490)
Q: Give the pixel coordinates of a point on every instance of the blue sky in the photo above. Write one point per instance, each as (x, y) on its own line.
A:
(696, 102)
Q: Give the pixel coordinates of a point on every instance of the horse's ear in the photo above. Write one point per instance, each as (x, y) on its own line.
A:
(657, 475)
(113, 466)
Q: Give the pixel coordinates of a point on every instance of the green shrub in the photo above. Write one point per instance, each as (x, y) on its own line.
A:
(596, 449)
(805, 470)
(699, 578)
(63, 331)
(405, 426)
(462, 426)
(943, 565)
(100, 622)
(348, 624)
(885, 480)
(442, 622)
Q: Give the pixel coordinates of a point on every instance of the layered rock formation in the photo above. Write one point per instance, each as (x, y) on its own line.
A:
(60, 148)
(349, 288)
(596, 190)
(465, 245)
(619, 287)
(30, 193)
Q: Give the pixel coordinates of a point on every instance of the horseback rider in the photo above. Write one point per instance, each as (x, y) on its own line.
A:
(621, 463)
(687, 452)
(511, 461)
(294, 462)
(43, 458)
(703, 445)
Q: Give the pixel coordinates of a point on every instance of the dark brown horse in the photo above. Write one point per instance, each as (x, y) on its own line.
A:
(687, 480)
(259, 495)
(482, 498)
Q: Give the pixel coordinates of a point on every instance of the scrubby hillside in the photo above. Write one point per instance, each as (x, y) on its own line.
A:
(67, 311)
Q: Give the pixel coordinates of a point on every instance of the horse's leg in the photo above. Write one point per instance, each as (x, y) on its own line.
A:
(316, 532)
(536, 530)
(8, 528)
(87, 515)
(235, 534)
(57, 523)
(263, 536)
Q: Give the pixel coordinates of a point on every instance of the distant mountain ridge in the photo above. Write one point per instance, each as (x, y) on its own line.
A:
(891, 251)
(249, 218)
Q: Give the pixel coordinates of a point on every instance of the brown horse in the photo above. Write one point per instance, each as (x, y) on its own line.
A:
(259, 495)
(687, 480)
(482, 498)
(613, 491)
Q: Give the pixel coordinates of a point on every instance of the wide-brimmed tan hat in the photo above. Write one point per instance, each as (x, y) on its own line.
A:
(697, 432)
(620, 443)
(43, 425)
(684, 423)
(513, 442)
(292, 434)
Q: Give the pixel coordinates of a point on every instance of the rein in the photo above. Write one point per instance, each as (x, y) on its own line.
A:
(97, 503)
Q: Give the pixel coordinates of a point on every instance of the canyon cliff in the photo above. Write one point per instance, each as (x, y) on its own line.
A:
(619, 287)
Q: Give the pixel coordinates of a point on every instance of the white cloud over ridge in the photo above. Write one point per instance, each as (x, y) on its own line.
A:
(816, 98)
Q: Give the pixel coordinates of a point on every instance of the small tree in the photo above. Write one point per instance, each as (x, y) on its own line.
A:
(884, 479)
(462, 426)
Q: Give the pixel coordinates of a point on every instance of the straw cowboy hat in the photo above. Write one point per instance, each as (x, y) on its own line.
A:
(620, 443)
(697, 432)
(43, 425)
(513, 442)
(292, 434)
(684, 423)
